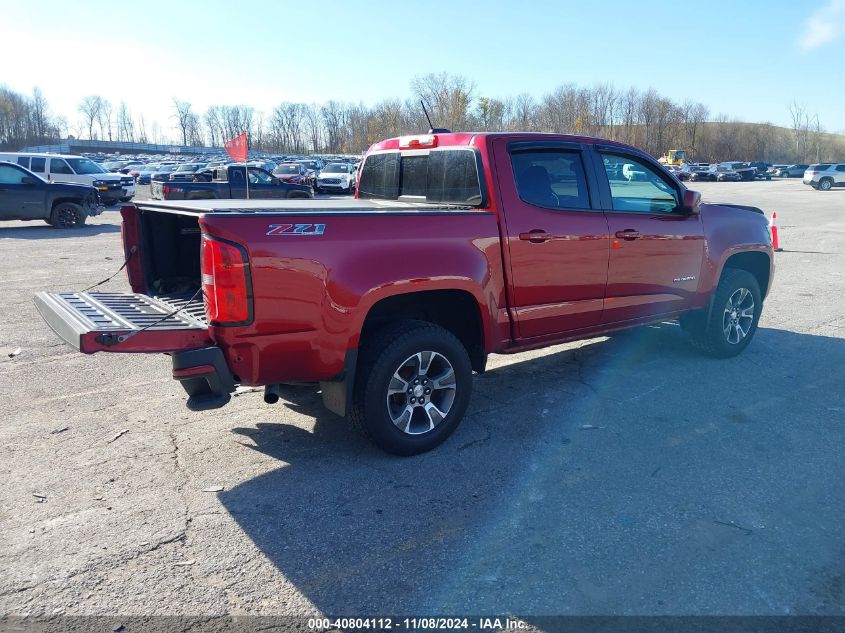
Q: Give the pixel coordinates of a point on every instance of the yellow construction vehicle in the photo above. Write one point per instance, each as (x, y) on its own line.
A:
(674, 157)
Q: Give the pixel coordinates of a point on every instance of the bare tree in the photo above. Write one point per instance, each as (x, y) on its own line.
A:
(125, 124)
(183, 116)
(91, 107)
(312, 125)
(105, 119)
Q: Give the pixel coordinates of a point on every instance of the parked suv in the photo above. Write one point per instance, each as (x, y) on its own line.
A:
(791, 171)
(825, 176)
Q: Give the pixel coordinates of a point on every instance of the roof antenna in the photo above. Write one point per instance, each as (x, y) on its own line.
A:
(431, 128)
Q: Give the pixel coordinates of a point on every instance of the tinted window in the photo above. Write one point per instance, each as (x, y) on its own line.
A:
(380, 176)
(23, 161)
(637, 186)
(11, 175)
(442, 176)
(59, 166)
(453, 178)
(551, 178)
(820, 166)
(38, 165)
(840, 168)
(413, 173)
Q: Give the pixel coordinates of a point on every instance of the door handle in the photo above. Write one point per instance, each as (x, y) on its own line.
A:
(536, 236)
(628, 234)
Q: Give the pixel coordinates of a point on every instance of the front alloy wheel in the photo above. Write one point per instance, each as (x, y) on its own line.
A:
(67, 215)
(738, 316)
(728, 327)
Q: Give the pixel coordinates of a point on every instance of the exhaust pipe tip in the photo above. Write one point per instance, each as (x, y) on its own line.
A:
(271, 394)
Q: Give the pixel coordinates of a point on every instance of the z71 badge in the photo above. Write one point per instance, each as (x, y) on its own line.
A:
(296, 229)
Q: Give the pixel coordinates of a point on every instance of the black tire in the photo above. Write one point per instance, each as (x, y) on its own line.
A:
(825, 184)
(67, 215)
(383, 356)
(713, 335)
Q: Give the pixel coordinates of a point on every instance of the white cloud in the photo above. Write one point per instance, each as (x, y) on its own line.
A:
(825, 25)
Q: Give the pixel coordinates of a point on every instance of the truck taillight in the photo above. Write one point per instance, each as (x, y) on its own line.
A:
(225, 282)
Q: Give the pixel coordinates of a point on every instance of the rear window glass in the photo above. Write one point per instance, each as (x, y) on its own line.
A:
(442, 177)
(380, 176)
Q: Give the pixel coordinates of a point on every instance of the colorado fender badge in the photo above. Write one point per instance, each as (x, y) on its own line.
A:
(296, 229)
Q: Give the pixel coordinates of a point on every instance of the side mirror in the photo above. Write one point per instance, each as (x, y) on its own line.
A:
(692, 202)
(29, 180)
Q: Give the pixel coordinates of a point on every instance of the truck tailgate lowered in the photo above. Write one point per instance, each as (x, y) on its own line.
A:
(123, 322)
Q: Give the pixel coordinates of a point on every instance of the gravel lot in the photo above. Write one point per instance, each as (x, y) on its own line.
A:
(622, 475)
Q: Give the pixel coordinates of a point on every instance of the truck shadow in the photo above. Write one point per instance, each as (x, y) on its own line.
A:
(570, 470)
(46, 232)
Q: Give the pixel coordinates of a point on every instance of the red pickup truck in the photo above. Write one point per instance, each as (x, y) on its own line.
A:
(457, 246)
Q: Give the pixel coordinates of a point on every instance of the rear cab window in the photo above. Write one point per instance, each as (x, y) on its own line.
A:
(551, 178)
(439, 176)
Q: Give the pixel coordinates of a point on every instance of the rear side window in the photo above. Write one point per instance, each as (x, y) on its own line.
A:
(820, 166)
(840, 168)
(37, 165)
(441, 177)
(23, 161)
(551, 178)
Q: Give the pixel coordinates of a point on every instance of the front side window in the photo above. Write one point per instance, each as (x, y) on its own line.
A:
(11, 175)
(258, 177)
(551, 178)
(59, 166)
(636, 186)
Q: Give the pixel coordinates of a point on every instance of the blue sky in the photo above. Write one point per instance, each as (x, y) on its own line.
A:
(747, 59)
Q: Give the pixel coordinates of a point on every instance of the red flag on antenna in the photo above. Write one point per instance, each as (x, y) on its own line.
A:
(236, 148)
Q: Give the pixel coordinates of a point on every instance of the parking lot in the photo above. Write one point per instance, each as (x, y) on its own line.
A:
(621, 475)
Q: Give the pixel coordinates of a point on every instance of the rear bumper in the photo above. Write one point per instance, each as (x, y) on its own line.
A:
(204, 376)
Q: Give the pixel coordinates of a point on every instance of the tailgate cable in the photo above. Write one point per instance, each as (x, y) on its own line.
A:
(111, 339)
(132, 251)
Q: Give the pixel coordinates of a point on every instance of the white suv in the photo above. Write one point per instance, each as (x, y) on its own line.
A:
(825, 176)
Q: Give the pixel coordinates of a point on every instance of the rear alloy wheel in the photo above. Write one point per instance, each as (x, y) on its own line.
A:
(825, 184)
(733, 316)
(412, 388)
(67, 215)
